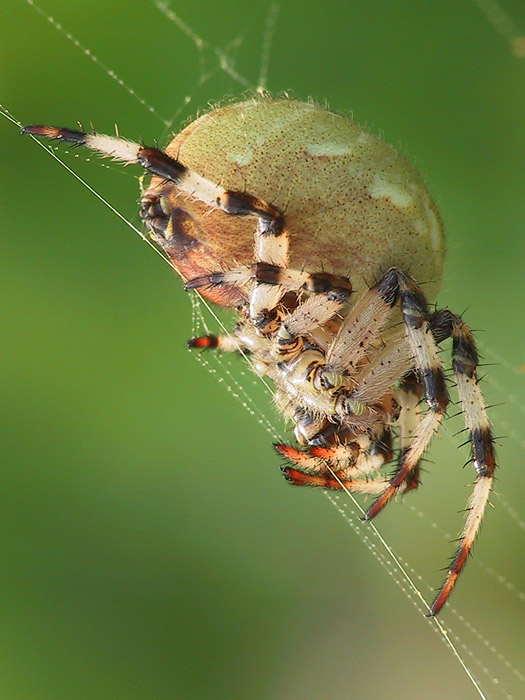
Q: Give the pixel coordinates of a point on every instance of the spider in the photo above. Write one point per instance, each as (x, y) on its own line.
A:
(318, 233)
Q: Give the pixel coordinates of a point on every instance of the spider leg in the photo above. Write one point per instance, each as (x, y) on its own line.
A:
(270, 277)
(314, 460)
(223, 343)
(270, 282)
(334, 481)
(381, 373)
(409, 396)
(161, 164)
(270, 274)
(428, 364)
(363, 324)
(337, 466)
(465, 361)
(304, 322)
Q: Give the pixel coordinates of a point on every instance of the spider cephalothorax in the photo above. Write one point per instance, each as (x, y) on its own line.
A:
(317, 232)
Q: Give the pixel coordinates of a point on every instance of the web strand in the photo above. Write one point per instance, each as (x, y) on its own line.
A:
(224, 61)
(92, 57)
(269, 31)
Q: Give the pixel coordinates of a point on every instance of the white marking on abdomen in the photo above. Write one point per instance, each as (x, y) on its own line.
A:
(329, 148)
(382, 189)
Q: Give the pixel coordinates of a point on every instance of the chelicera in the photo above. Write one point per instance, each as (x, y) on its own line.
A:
(319, 234)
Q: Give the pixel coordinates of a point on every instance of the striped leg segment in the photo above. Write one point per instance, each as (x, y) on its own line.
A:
(410, 394)
(465, 361)
(428, 364)
(161, 164)
(281, 278)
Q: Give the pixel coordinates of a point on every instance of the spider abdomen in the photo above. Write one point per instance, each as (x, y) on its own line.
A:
(353, 206)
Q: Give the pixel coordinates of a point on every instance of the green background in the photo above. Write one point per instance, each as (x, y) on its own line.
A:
(149, 546)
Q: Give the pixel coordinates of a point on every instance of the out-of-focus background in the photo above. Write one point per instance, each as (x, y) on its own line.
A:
(149, 546)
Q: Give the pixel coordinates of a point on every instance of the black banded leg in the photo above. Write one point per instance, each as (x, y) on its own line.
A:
(465, 361)
(271, 220)
(428, 364)
(410, 393)
(157, 162)
(271, 249)
(269, 276)
(153, 160)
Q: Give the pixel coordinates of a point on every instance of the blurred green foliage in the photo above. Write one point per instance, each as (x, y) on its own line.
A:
(150, 548)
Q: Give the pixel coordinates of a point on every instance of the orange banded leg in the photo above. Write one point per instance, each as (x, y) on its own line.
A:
(336, 466)
(334, 481)
(314, 460)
